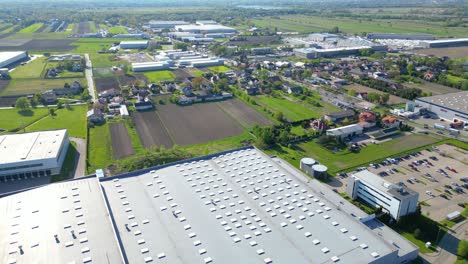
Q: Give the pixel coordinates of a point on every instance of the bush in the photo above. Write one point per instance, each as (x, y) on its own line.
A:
(462, 250)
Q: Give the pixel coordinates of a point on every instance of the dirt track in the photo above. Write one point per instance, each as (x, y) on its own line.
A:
(121, 143)
(243, 113)
(198, 123)
(151, 130)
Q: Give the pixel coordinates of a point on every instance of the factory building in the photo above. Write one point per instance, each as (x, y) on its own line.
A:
(447, 106)
(138, 35)
(9, 57)
(143, 44)
(261, 51)
(346, 131)
(445, 43)
(205, 29)
(151, 66)
(166, 24)
(396, 199)
(400, 36)
(313, 53)
(238, 206)
(32, 154)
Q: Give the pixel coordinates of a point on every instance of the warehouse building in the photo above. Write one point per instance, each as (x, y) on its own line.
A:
(400, 36)
(346, 131)
(151, 66)
(445, 43)
(142, 44)
(32, 154)
(238, 206)
(313, 53)
(166, 24)
(395, 199)
(9, 57)
(261, 51)
(447, 106)
(205, 29)
(137, 35)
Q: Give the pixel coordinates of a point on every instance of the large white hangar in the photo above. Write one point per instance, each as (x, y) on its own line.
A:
(32, 154)
(10, 57)
(447, 106)
(239, 206)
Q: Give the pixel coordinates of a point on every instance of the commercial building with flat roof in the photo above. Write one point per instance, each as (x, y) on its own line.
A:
(400, 36)
(447, 106)
(238, 206)
(32, 154)
(10, 57)
(445, 43)
(166, 24)
(313, 53)
(208, 28)
(396, 199)
(345, 131)
(142, 44)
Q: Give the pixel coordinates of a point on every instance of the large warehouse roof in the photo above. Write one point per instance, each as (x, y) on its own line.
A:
(31, 146)
(31, 219)
(239, 206)
(208, 27)
(6, 55)
(453, 101)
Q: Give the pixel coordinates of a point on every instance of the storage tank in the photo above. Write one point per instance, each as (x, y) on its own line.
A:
(319, 171)
(306, 165)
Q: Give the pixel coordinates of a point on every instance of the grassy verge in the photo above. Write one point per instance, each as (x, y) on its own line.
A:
(99, 148)
(291, 110)
(68, 166)
(32, 28)
(136, 142)
(218, 69)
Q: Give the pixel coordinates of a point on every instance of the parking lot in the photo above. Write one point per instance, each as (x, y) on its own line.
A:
(434, 173)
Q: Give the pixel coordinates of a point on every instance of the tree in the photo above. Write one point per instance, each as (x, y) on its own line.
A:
(51, 111)
(462, 250)
(22, 104)
(335, 30)
(279, 116)
(59, 105)
(197, 82)
(417, 233)
(352, 92)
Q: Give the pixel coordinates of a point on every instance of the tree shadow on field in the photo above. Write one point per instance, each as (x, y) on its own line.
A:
(27, 112)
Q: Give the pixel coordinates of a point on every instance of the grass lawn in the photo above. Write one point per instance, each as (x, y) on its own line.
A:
(105, 60)
(32, 69)
(68, 166)
(196, 73)
(12, 118)
(118, 30)
(136, 142)
(10, 29)
(92, 26)
(345, 160)
(32, 28)
(417, 242)
(157, 76)
(74, 120)
(71, 28)
(291, 110)
(92, 45)
(31, 86)
(221, 68)
(219, 145)
(99, 148)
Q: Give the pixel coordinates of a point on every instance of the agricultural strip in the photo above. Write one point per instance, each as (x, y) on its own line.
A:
(151, 130)
(121, 143)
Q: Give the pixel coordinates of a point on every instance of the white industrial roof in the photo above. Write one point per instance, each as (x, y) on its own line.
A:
(31, 219)
(346, 129)
(453, 101)
(6, 55)
(447, 40)
(208, 27)
(31, 146)
(236, 207)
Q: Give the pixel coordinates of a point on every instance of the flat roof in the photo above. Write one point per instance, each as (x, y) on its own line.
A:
(6, 55)
(203, 27)
(384, 186)
(134, 42)
(346, 129)
(453, 101)
(30, 219)
(235, 207)
(31, 146)
(447, 40)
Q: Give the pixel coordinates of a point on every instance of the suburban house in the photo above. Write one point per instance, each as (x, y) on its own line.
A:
(390, 121)
(49, 97)
(143, 105)
(109, 93)
(75, 88)
(339, 116)
(367, 119)
(291, 89)
(95, 115)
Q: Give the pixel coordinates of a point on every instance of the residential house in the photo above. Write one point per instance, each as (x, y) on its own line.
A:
(367, 119)
(339, 116)
(143, 105)
(95, 116)
(109, 93)
(49, 97)
(390, 121)
(291, 89)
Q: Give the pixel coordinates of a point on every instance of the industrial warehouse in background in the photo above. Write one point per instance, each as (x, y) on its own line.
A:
(10, 57)
(33, 154)
(451, 107)
(238, 206)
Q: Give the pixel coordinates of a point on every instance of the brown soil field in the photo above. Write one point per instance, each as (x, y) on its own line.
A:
(182, 74)
(454, 52)
(37, 44)
(121, 143)
(83, 28)
(198, 123)
(361, 88)
(127, 79)
(8, 101)
(151, 130)
(106, 83)
(3, 85)
(434, 88)
(41, 29)
(243, 113)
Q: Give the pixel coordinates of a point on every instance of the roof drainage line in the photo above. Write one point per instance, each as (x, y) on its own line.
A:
(158, 167)
(123, 254)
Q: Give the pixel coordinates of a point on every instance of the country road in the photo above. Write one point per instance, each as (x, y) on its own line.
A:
(89, 77)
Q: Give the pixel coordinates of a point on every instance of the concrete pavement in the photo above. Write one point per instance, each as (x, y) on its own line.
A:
(80, 160)
(89, 77)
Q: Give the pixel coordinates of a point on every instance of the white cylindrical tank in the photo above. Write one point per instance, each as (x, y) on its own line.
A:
(306, 165)
(319, 170)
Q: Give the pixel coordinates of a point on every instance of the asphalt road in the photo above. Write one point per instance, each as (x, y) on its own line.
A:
(89, 77)
(80, 161)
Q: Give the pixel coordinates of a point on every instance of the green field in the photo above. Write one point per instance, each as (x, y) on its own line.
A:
(158, 76)
(32, 28)
(118, 30)
(93, 45)
(71, 28)
(344, 159)
(99, 148)
(221, 68)
(104, 60)
(13, 119)
(92, 26)
(291, 110)
(310, 24)
(74, 120)
(30, 86)
(10, 29)
(32, 69)
(136, 142)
